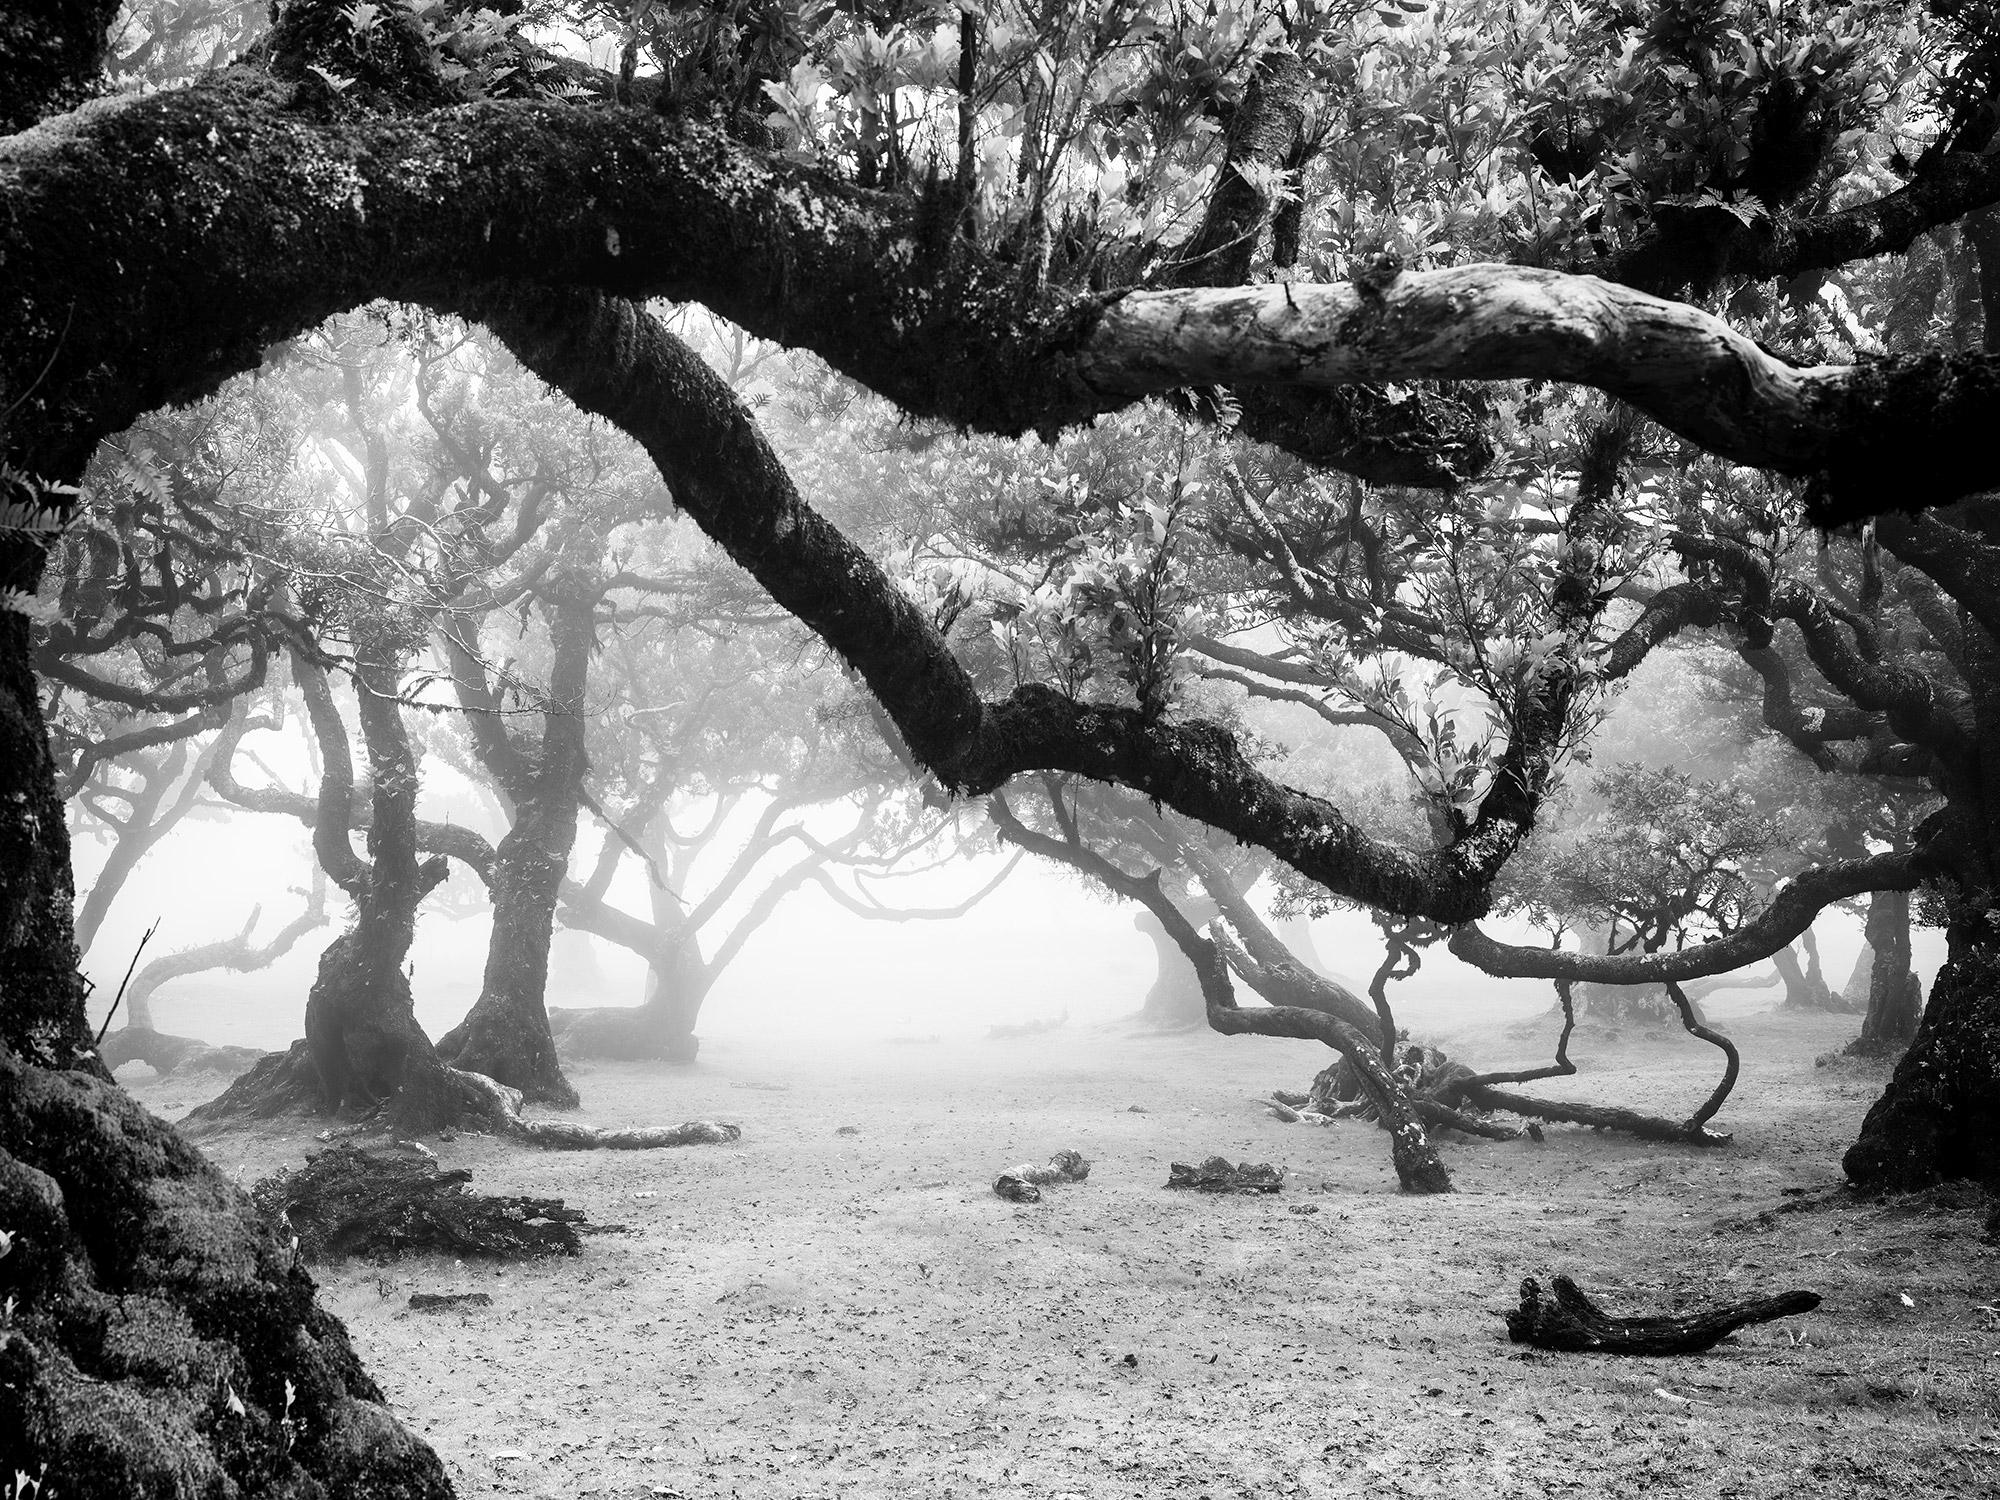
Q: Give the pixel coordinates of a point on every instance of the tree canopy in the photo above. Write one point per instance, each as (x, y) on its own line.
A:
(1496, 347)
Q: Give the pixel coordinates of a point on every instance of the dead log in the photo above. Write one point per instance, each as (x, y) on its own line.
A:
(1024, 1184)
(346, 1202)
(1219, 1175)
(1570, 1321)
(443, 1301)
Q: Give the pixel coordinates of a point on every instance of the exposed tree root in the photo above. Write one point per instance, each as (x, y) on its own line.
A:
(346, 1202)
(500, 1107)
(286, 1083)
(1570, 1321)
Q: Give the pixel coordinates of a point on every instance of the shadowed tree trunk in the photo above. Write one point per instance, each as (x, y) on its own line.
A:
(507, 1035)
(1895, 994)
(1805, 986)
(1936, 1118)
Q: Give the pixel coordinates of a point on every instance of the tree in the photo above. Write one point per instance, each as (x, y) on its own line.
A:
(153, 244)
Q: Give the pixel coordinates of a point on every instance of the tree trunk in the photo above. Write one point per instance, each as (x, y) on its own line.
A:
(1803, 990)
(1860, 981)
(1935, 1120)
(362, 1041)
(131, 1256)
(130, 843)
(41, 987)
(1175, 1002)
(1895, 994)
(661, 1027)
(506, 1035)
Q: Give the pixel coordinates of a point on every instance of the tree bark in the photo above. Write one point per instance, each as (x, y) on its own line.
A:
(1935, 1120)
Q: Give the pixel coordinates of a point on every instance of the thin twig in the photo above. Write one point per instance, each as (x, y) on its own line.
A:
(128, 978)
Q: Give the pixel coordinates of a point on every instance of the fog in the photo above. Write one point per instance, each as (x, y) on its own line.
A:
(1040, 948)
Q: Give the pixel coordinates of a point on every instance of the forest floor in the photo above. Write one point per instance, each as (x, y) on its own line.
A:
(808, 1313)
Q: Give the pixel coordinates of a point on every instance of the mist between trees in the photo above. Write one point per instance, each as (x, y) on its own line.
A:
(614, 469)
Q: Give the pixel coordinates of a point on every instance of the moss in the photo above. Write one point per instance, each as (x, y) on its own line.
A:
(162, 1293)
(1934, 1121)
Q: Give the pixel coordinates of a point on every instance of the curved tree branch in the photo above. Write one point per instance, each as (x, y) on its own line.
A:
(1790, 913)
(635, 204)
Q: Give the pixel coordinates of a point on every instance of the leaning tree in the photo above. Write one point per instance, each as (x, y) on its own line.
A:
(986, 240)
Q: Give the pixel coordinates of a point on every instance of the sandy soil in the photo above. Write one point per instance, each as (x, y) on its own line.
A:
(807, 1313)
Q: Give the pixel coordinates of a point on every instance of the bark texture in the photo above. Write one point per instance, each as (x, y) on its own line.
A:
(1936, 1118)
(164, 1341)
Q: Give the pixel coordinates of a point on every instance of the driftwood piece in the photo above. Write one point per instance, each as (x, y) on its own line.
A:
(1568, 1320)
(347, 1202)
(444, 1301)
(1219, 1175)
(1024, 1184)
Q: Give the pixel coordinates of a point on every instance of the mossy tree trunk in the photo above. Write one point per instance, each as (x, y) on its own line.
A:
(1936, 1119)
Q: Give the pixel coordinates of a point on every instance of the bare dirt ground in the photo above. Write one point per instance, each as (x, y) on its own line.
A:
(808, 1313)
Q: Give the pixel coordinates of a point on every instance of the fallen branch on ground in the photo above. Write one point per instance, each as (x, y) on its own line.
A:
(347, 1202)
(1024, 1184)
(1570, 1321)
(1218, 1175)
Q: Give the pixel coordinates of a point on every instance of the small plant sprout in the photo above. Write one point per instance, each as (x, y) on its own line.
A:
(6, 1242)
